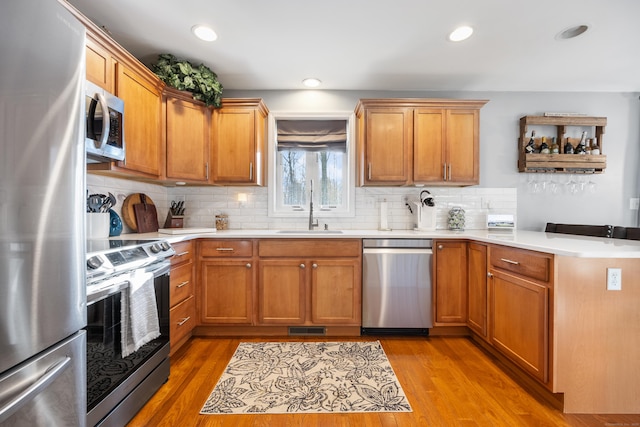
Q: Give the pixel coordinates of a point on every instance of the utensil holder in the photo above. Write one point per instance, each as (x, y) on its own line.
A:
(98, 225)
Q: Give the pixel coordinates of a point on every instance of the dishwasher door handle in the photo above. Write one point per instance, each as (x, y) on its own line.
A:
(393, 251)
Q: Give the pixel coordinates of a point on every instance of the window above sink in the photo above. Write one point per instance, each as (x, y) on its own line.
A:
(305, 147)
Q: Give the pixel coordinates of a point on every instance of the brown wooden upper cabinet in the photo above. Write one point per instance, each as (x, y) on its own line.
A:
(418, 141)
(239, 142)
(187, 137)
(114, 69)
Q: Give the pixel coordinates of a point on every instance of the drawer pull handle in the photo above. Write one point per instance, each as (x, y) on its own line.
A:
(182, 253)
(314, 265)
(302, 266)
(248, 265)
(510, 261)
(183, 321)
(182, 284)
(225, 249)
(489, 274)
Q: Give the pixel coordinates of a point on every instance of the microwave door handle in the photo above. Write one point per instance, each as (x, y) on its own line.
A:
(106, 122)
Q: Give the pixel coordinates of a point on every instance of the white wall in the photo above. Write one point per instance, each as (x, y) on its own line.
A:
(501, 185)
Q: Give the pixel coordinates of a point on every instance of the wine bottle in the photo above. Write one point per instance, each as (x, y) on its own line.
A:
(582, 145)
(568, 148)
(587, 148)
(555, 148)
(595, 150)
(544, 147)
(531, 145)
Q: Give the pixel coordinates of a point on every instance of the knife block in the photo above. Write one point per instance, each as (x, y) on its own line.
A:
(174, 221)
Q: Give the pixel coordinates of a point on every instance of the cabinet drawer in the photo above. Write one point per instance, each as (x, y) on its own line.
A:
(309, 248)
(184, 252)
(183, 319)
(535, 265)
(181, 283)
(226, 248)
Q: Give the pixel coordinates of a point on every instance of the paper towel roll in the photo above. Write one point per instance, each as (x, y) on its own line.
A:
(384, 219)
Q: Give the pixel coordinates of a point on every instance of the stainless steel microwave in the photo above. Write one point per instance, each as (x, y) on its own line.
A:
(104, 137)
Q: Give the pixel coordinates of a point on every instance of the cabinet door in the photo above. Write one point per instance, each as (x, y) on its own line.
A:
(282, 291)
(335, 292)
(462, 146)
(477, 288)
(239, 141)
(100, 65)
(143, 124)
(451, 282)
(428, 145)
(187, 127)
(519, 326)
(226, 291)
(387, 142)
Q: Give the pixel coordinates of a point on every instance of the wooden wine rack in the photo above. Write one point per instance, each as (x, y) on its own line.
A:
(561, 163)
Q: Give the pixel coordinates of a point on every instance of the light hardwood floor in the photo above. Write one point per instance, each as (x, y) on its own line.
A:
(449, 381)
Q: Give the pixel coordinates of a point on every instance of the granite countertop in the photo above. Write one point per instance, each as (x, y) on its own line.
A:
(558, 244)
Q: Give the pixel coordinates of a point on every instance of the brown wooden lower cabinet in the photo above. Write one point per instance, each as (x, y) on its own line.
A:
(182, 313)
(477, 317)
(282, 292)
(227, 291)
(226, 279)
(520, 329)
(303, 282)
(183, 320)
(450, 282)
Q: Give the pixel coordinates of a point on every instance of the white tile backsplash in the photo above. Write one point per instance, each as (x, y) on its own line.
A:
(203, 203)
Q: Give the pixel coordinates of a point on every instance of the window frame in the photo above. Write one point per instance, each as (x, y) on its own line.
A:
(348, 211)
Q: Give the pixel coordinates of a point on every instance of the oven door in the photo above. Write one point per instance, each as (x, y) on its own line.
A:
(111, 378)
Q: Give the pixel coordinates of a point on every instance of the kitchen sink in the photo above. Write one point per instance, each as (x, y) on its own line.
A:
(309, 231)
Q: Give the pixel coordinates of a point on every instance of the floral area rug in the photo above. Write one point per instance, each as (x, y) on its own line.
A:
(307, 377)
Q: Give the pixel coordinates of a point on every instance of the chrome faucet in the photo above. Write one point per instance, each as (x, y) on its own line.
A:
(312, 223)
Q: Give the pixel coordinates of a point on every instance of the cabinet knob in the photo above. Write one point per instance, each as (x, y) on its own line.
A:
(489, 274)
(314, 265)
(440, 247)
(248, 265)
(302, 266)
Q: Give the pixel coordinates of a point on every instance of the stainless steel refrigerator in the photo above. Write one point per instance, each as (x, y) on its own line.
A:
(42, 246)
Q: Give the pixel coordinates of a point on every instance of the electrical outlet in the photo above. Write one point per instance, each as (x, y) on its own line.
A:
(614, 279)
(634, 203)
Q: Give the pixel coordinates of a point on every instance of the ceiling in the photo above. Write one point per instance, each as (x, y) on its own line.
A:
(388, 45)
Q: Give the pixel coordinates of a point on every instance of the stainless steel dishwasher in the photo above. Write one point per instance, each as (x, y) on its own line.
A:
(396, 291)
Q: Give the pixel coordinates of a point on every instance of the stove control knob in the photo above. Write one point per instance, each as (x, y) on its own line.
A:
(94, 262)
(155, 248)
(165, 246)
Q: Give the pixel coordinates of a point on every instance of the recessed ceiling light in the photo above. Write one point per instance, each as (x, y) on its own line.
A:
(311, 82)
(461, 33)
(572, 32)
(204, 33)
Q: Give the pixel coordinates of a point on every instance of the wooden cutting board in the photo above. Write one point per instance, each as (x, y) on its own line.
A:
(146, 217)
(128, 214)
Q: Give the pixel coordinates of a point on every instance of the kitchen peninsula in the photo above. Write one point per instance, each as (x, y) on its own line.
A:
(584, 339)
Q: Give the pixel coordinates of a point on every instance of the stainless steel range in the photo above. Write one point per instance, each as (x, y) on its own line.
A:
(121, 379)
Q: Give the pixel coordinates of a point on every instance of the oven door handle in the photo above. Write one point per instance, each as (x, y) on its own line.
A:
(160, 269)
(107, 292)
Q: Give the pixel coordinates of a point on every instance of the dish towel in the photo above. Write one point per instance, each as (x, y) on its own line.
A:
(139, 313)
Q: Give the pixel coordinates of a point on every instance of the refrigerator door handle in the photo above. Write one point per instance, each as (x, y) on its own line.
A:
(50, 375)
